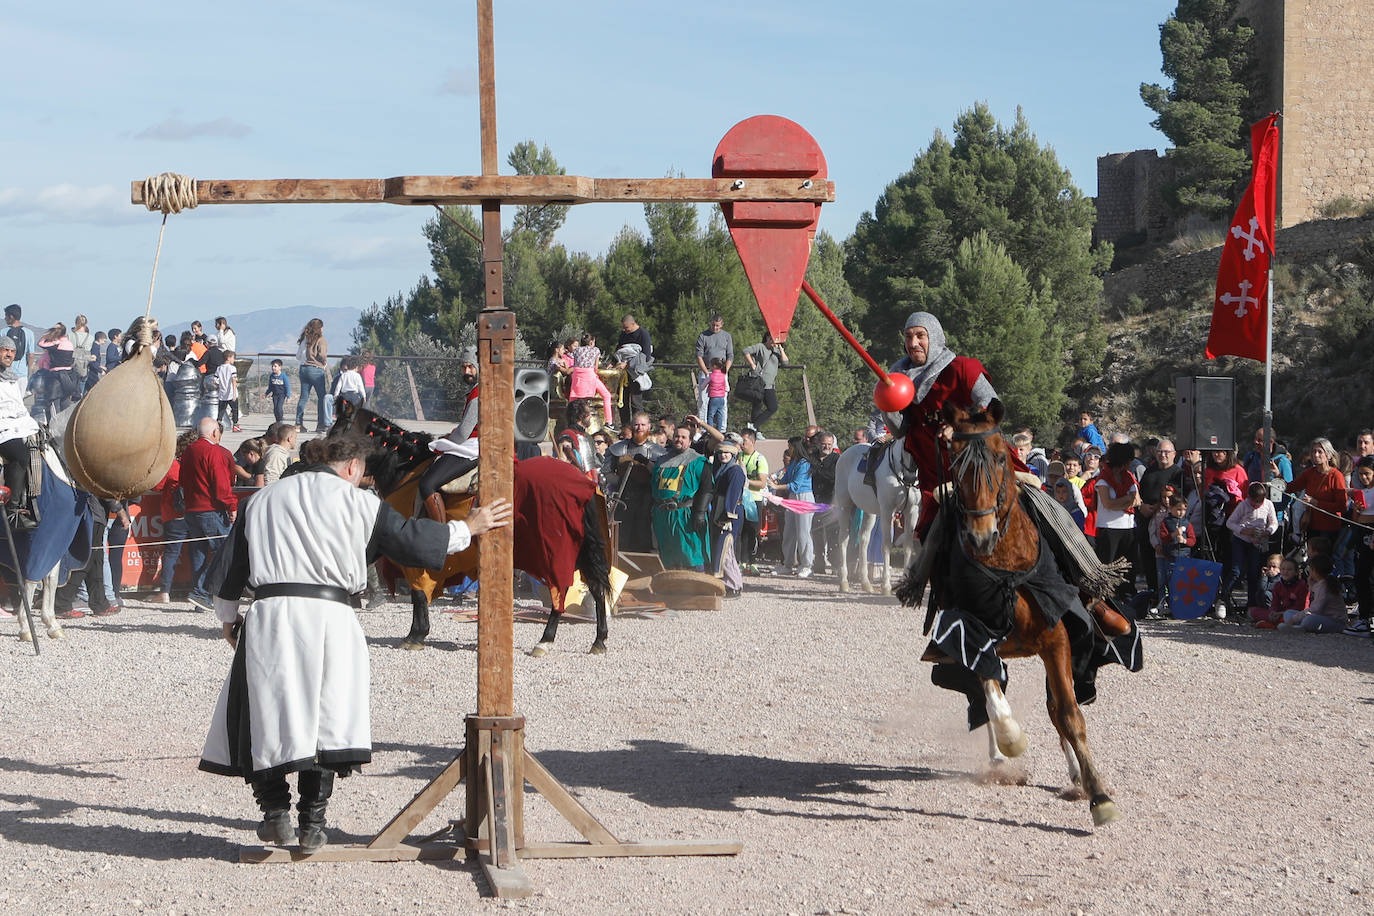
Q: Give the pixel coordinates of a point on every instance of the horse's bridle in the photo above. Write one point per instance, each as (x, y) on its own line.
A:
(957, 474)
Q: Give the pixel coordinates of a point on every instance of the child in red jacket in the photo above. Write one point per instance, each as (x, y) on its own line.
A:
(1290, 594)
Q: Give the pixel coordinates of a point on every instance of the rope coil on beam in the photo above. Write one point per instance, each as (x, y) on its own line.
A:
(169, 192)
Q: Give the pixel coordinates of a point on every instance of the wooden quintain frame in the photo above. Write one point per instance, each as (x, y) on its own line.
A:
(494, 762)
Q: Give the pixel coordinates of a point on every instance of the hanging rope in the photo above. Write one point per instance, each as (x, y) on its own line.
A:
(170, 193)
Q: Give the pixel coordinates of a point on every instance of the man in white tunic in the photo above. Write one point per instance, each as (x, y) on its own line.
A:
(296, 699)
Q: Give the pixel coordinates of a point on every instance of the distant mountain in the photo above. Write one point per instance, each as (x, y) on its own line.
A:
(275, 330)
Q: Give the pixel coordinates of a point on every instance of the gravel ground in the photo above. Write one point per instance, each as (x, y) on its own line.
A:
(796, 722)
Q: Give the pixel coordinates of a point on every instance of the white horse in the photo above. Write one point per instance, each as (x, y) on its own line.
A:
(893, 495)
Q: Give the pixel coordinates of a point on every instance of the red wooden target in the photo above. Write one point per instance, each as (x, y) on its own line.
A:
(773, 238)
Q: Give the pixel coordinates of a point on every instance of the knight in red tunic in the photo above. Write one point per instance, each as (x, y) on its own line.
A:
(940, 378)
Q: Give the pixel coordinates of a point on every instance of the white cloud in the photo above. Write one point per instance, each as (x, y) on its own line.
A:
(362, 253)
(459, 81)
(174, 128)
(103, 204)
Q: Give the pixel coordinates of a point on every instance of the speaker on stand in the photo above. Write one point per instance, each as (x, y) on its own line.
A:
(1205, 412)
(531, 405)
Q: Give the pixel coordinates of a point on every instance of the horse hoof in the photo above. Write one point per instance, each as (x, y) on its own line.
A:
(57, 633)
(844, 588)
(598, 648)
(1012, 740)
(412, 646)
(1104, 813)
(540, 650)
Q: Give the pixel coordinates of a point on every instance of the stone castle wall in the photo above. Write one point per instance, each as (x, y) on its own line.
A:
(1158, 281)
(1129, 202)
(1316, 58)
(1327, 104)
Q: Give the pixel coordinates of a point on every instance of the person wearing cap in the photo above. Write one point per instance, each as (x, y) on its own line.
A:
(16, 425)
(727, 514)
(458, 450)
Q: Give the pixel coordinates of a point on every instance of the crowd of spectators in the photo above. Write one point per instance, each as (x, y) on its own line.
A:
(1291, 530)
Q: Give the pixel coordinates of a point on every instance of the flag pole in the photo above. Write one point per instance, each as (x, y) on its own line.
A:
(1266, 460)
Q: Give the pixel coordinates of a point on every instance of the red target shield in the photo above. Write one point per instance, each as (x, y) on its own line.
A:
(773, 238)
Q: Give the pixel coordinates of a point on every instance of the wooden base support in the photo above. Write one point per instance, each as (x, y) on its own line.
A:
(495, 767)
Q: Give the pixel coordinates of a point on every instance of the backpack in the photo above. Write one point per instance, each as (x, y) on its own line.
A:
(21, 344)
(81, 352)
(1214, 506)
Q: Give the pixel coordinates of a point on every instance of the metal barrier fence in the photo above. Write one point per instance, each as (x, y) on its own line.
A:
(430, 387)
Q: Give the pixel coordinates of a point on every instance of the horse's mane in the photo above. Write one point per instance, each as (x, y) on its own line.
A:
(398, 450)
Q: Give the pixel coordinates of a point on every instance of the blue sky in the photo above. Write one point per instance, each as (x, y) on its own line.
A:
(98, 94)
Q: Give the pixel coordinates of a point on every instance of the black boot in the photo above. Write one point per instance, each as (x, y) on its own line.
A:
(273, 796)
(315, 786)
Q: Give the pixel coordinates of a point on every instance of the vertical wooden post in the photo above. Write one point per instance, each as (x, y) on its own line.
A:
(496, 361)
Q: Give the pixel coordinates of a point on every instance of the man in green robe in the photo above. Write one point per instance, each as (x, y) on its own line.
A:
(682, 493)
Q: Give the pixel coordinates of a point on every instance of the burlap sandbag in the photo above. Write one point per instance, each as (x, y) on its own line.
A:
(121, 437)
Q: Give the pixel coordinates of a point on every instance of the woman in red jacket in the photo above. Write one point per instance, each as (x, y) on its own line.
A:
(1325, 487)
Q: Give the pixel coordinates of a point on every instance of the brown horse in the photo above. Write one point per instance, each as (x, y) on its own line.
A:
(997, 538)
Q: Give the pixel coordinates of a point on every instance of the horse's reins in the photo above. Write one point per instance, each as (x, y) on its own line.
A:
(979, 456)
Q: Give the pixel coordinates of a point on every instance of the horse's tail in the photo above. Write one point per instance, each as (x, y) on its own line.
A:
(592, 560)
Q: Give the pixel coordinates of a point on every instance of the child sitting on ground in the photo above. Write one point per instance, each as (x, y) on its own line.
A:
(1326, 610)
(1269, 577)
(1289, 594)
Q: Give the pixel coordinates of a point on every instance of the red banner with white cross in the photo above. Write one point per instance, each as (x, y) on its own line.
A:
(1240, 311)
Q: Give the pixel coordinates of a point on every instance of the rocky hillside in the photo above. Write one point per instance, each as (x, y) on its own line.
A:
(1157, 315)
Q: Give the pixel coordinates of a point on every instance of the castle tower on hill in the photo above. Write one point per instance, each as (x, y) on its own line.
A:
(1316, 56)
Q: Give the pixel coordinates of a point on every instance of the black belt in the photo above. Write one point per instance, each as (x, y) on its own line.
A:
(307, 590)
(672, 503)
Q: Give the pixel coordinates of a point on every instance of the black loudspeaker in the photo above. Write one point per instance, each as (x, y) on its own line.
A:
(1205, 413)
(531, 405)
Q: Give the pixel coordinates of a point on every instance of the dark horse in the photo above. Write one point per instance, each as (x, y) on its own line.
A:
(560, 524)
(1016, 603)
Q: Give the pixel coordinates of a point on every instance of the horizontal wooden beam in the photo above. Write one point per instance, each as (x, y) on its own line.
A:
(424, 190)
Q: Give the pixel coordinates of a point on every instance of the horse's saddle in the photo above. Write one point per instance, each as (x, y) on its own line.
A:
(461, 486)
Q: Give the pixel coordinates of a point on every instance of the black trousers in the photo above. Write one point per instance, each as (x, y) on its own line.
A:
(763, 410)
(445, 468)
(1144, 554)
(15, 454)
(1113, 543)
(634, 402)
(748, 541)
(93, 574)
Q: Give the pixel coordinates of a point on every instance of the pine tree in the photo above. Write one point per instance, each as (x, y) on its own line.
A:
(989, 179)
(1210, 57)
(988, 308)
